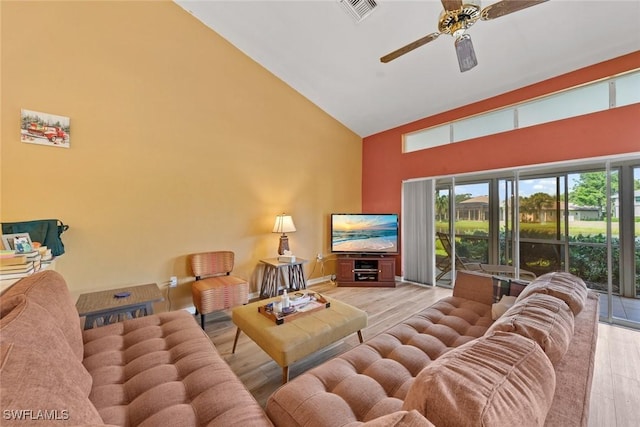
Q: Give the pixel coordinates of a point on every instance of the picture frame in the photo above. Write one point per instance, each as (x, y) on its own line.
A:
(23, 241)
(45, 129)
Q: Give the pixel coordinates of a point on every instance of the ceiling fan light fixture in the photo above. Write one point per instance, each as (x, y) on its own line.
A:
(466, 55)
(454, 21)
(457, 17)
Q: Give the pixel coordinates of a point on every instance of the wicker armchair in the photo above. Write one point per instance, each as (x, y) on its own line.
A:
(215, 288)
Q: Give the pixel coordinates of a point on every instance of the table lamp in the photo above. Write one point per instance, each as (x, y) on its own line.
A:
(284, 224)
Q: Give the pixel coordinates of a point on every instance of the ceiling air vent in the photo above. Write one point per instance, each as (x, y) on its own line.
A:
(358, 9)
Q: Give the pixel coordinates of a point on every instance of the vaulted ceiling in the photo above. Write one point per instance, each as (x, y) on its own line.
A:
(323, 53)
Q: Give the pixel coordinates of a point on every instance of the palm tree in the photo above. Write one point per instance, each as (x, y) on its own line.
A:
(442, 207)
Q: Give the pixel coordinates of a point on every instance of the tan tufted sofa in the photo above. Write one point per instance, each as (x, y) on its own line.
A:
(160, 370)
(452, 365)
(449, 365)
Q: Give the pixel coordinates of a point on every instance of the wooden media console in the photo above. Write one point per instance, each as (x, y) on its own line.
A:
(366, 270)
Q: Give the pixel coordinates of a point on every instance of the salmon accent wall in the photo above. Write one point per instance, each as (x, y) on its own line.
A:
(611, 132)
(180, 143)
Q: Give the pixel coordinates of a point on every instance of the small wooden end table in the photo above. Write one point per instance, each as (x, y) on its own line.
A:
(271, 277)
(103, 307)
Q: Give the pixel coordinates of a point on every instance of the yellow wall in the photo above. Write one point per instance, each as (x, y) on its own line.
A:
(179, 143)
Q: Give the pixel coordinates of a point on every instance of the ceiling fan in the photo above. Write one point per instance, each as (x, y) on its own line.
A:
(456, 18)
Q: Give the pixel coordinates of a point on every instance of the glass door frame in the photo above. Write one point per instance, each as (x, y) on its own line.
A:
(625, 166)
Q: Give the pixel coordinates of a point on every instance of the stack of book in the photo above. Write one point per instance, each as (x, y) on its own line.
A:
(45, 254)
(17, 265)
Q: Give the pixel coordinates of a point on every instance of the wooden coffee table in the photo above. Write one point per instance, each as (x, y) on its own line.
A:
(102, 307)
(295, 339)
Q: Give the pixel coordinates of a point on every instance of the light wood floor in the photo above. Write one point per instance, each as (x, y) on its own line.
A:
(615, 394)
(615, 397)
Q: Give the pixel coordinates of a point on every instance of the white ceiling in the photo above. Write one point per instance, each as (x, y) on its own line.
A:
(319, 50)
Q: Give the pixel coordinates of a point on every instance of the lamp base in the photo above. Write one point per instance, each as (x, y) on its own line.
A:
(284, 244)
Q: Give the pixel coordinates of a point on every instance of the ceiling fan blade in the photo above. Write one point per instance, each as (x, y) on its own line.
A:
(506, 7)
(408, 48)
(451, 4)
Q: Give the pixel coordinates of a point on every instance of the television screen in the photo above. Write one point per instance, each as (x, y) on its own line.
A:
(364, 233)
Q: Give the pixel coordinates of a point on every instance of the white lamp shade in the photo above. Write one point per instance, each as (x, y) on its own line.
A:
(284, 224)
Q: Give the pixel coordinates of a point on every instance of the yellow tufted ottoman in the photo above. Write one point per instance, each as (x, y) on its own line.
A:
(293, 340)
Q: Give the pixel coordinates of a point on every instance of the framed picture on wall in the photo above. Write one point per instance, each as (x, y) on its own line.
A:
(19, 242)
(44, 129)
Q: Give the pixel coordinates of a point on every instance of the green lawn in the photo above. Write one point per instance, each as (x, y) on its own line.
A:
(586, 260)
(576, 228)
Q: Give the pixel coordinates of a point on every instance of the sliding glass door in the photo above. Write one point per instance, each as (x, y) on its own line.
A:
(443, 225)
(471, 223)
(579, 218)
(506, 221)
(542, 224)
(622, 300)
(462, 227)
(636, 236)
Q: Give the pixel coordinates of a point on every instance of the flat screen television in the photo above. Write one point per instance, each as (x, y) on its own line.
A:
(364, 233)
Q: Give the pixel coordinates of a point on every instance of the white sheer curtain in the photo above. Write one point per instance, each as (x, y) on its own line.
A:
(418, 224)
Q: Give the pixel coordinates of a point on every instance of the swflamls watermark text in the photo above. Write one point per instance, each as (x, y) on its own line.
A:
(35, 414)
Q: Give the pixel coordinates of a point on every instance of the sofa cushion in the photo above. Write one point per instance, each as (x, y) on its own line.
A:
(545, 319)
(501, 379)
(451, 321)
(396, 419)
(39, 370)
(49, 290)
(385, 366)
(338, 385)
(164, 370)
(566, 286)
(474, 286)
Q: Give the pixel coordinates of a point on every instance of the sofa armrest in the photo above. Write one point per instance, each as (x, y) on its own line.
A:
(574, 373)
(474, 286)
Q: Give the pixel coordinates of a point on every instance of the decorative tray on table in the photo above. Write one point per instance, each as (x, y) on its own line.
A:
(300, 305)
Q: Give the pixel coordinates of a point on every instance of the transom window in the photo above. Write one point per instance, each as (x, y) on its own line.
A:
(617, 91)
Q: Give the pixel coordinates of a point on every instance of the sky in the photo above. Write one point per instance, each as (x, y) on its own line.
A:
(527, 187)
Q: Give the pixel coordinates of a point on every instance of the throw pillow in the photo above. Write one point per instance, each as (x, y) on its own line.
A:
(516, 287)
(569, 288)
(543, 318)
(500, 380)
(501, 307)
(501, 287)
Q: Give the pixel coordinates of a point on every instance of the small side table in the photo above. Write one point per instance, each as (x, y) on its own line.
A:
(102, 307)
(271, 277)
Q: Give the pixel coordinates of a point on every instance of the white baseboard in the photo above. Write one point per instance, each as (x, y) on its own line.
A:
(317, 280)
